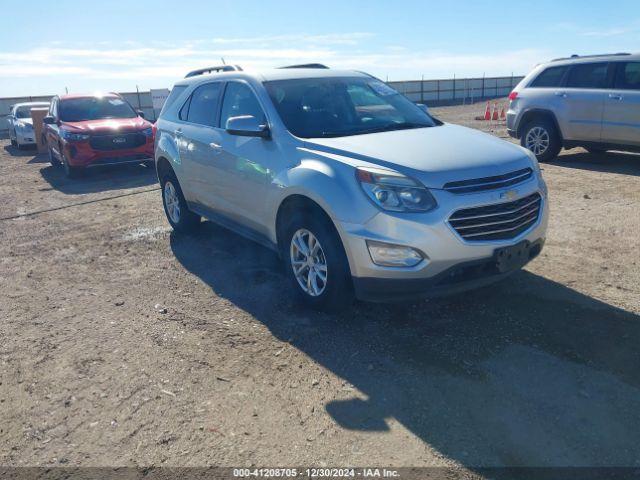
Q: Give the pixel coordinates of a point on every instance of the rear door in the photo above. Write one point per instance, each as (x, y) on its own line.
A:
(199, 142)
(581, 103)
(621, 122)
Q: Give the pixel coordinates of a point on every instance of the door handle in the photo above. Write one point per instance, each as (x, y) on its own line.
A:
(615, 96)
(217, 148)
(561, 94)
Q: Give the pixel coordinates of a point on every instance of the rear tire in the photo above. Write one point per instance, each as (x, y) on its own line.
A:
(542, 138)
(178, 214)
(330, 287)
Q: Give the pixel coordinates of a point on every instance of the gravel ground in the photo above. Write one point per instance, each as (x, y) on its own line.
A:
(124, 344)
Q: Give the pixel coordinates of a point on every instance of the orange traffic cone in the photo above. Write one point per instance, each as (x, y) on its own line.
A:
(495, 112)
(487, 112)
(503, 116)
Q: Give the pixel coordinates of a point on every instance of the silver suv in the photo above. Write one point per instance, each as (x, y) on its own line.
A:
(358, 190)
(591, 102)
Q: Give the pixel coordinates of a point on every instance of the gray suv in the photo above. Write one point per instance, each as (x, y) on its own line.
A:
(590, 101)
(360, 191)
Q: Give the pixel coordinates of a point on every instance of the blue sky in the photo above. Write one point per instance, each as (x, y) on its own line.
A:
(116, 45)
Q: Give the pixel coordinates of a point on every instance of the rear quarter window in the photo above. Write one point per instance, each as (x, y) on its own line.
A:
(173, 96)
(550, 77)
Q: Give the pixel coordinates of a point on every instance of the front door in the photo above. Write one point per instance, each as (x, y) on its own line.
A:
(246, 164)
(621, 122)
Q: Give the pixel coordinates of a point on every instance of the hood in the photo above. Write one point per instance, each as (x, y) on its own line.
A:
(434, 155)
(28, 120)
(109, 126)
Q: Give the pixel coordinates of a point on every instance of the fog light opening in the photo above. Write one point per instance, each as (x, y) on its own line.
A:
(389, 255)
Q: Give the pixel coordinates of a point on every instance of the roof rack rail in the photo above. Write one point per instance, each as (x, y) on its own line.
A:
(217, 68)
(308, 65)
(592, 56)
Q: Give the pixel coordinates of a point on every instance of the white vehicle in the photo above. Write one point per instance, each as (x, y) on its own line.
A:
(358, 189)
(21, 131)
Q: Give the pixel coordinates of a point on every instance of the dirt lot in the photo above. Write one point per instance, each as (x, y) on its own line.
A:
(542, 369)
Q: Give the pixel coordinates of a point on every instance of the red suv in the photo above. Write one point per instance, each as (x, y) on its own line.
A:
(91, 130)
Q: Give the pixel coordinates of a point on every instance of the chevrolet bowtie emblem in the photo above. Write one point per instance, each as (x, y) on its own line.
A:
(509, 195)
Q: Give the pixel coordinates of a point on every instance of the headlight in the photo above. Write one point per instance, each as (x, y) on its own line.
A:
(73, 137)
(394, 192)
(148, 132)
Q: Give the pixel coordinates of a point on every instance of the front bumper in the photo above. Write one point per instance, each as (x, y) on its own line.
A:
(458, 278)
(25, 137)
(81, 154)
(451, 263)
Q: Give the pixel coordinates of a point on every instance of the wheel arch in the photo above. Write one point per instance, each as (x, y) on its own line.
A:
(163, 166)
(536, 114)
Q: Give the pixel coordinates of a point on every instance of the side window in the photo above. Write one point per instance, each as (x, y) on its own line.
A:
(203, 106)
(628, 76)
(588, 75)
(239, 101)
(53, 110)
(551, 77)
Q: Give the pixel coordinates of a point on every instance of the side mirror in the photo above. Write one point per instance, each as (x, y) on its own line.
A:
(424, 108)
(49, 120)
(247, 126)
(140, 113)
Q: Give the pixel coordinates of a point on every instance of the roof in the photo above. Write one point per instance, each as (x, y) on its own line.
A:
(275, 74)
(87, 95)
(30, 104)
(620, 57)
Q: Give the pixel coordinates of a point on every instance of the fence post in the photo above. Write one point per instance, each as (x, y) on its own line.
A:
(438, 87)
(422, 90)
(454, 88)
(482, 86)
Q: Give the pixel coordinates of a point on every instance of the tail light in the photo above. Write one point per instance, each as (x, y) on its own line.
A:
(513, 95)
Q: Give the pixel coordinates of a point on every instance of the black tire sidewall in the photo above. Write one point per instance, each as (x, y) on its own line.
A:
(555, 142)
(338, 292)
(188, 220)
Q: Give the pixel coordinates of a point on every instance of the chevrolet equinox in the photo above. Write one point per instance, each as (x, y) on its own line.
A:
(360, 191)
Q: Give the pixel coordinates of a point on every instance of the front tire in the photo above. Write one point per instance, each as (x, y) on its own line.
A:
(180, 217)
(53, 160)
(316, 263)
(542, 138)
(69, 170)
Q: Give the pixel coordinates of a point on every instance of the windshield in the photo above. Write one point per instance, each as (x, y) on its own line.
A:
(25, 112)
(94, 108)
(340, 106)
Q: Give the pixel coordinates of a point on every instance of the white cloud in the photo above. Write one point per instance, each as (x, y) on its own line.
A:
(130, 63)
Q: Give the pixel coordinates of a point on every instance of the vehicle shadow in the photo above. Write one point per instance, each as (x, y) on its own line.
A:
(16, 152)
(609, 162)
(100, 179)
(525, 373)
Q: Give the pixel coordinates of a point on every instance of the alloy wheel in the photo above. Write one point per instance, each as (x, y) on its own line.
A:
(308, 262)
(172, 202)
(537, 140)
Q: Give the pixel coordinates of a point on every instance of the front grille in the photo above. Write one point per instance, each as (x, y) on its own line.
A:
(500, 221)
(117, 142)
(489, 183)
